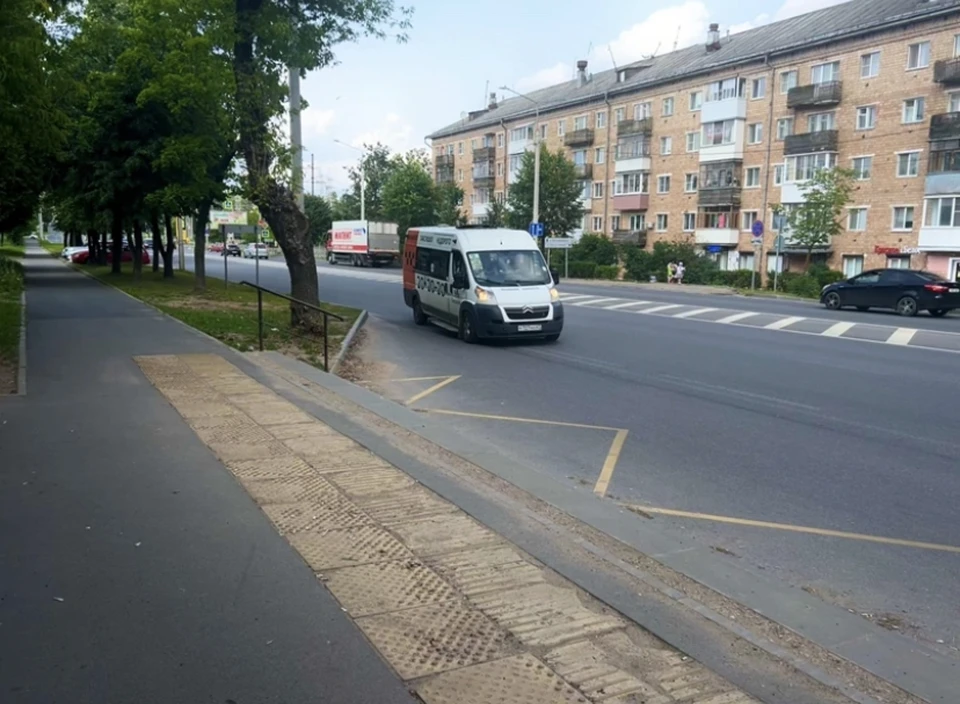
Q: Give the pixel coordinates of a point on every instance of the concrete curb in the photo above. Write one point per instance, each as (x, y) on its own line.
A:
(22, 354)
(348, 340)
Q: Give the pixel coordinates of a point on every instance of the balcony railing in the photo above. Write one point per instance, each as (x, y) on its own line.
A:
(632, 151)
(641, 126)
(637, 237)
(445, 174)
(728, 195)
(811, 142)
(445, 160)
(584, 171)
(484, 180)
(484, 154)
(947, 72)
(631, 202)
(578, 138)
(946, 125)
(815, 95)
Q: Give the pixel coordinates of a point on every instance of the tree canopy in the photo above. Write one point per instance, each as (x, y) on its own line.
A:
(561, 211)
(812, 223)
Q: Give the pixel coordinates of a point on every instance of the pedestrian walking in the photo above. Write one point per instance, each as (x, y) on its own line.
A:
(679, 272)
(671, 272)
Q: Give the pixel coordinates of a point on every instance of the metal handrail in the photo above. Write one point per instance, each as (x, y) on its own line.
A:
(326, 315)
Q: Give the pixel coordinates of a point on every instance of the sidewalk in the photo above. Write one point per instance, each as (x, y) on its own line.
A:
(133, 568)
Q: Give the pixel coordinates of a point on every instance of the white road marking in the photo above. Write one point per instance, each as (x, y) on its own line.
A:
(695, 311)
(736, 317)
(783, 323)
(837, 329)
(595, 300)
(659, 309)
(901, 336)
(573, 296)
(618, 306)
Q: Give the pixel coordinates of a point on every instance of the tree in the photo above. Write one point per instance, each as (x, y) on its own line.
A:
(449, 198)
(496, 214)
(409, 196)
(812, 223)
(374, 170)
(320, 217)
(560, 208)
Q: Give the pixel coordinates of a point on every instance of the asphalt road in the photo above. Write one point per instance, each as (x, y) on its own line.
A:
(727, 420)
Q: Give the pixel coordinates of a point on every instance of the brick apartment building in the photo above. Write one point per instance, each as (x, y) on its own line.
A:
(700, 143)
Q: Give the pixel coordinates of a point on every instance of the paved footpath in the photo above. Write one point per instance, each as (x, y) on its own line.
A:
(173, 530)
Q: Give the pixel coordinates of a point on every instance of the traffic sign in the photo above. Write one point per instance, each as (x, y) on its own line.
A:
(757, 241)
(778, 242)
(757, 228)
(558, 242)
(536, 229)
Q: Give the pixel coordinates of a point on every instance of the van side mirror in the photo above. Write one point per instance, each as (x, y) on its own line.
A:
(555, 275)
(460, 281)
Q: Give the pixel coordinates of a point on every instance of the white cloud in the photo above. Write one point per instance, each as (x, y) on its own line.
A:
(792, 8)
(547, 77)
(393, 131)
(315, 122)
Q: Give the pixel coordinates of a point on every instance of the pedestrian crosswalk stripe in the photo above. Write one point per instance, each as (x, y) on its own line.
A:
(595, 300)
(660, 309)
(736, 317)
(573, 296)
(837, 329)
(783, 323)
(901, 336)
(692, 313)
(618, 306)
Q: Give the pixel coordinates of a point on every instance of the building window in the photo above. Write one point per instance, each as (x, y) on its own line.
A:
(690, 183)
(521, 134)
(908, 164)
(717, 133)
(618, 115)
(825, 73)
(601, 120)
(802, 168)
(662, 221)
(867, 117)
(755, 133)
(689, 222)
(473, 144)
(954, 101)
(746, 261)
(857, 219)
(696, 100)
(693, 141)
(747, 218)
(898, 262)
(775, 263)
(598, 223)
(599, 155)
(758, 88)
(726, 89)
(753, 177)
(822, 122)
(913, 110)
(784, 128)
(862, 166)
(941, 212)
(615, 223)
(852, 265)
(870, 65)
(788, 80)
(598, 189)
(956, 45)
(580, 123)
(460, 148)
(460, 175)
(778, 170)
(903, 217)
(666, 108)
(631, 183)
(638, 222)
(663, 183)
(499, 168)
(666, 145)
(918, 55)
(642, 111)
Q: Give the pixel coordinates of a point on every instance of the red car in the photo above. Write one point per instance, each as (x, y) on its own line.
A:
(127, 256)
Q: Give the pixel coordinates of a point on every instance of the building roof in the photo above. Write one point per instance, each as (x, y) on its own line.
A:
(829, 25)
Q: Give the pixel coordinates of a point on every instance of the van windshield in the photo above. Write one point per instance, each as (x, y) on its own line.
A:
(521, 267)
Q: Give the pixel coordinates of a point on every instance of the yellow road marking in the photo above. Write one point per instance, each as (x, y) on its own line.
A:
(801, 529)
(419, 378)
(600, 488)
(436, 387)
(514, 419)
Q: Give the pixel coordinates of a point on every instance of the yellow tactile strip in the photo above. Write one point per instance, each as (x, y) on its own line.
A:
(449, 604)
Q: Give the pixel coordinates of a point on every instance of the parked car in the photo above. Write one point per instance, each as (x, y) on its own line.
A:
(907, 291)
(127, 256)
(232, 249)
(256, 250)
(216, 247)
(68, 252)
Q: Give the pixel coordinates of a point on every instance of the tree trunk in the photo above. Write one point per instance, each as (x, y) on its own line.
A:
(116, 232)
(157, 239)
(200, 247)
(168, 249)
(809, 257)
(93, 244)
(137, 248)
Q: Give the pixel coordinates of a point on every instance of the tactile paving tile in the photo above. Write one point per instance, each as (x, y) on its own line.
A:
(230, 386)
(586, 666)
(521, 679)
(273, 411)
(334, 511)
(321, 446)
(406, 505)
(387, 586)
(349, 547)
(424, 641)
(436, 535)
(247, 450)
(250, 434)
(270, 468)
(370, 482)
(487, 570)
(311, 428)
(354, 458)
(205, 409)
(195, 394)
(288, 490)
(210, 422)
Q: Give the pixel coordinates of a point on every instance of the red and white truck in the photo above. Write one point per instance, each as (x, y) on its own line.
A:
(363, 243)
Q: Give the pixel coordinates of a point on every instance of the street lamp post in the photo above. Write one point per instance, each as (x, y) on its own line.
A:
(536, 155)
(363, 180)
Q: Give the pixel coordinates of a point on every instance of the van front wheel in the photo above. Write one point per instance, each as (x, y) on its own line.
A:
(419, 317)
(468, 331)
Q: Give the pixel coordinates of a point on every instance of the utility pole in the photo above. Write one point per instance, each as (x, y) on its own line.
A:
(296, 136)
(363, 179)
(536, 155)
(313, 191)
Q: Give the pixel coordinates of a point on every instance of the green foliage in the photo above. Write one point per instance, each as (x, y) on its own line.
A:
(641, 265)
(320, 216)
(739, 278)
(409, 196)
(449, 198)
(496, 214)
(594, 248)
(608, 272)
(582, 270)
(560, 209)
(814, 222)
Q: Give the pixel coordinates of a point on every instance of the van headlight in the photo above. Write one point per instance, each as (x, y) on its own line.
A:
(484, 296)
(554, 295)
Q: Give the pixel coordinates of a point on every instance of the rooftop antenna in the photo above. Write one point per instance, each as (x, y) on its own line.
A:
(676, 40)
(610, 49)
(486, 92)
(647, 58)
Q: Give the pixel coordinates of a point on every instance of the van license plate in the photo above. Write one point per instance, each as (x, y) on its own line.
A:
(955, 290)
(529, 328)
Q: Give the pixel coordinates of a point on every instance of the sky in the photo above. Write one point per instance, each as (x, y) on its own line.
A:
(456, 54)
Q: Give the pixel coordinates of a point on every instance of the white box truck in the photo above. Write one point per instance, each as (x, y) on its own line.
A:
(363, 243)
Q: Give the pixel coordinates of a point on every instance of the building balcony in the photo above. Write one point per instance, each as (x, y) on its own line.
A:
(583, 171)
(729, 195)
(947, 72)
(723, 236)
(816, 95)
(637, 237)
(445, 175)
(732, 108)
(484, 180)
(811, 142)
(939, 239)
(484, 154)
(791, 246)
(586, 202)
(479, 210)
(793, 192)
(444, 161)
(638, 160)
(631, 202)
(642, 126)
(945, 126)
(578, 138)
(519, 146)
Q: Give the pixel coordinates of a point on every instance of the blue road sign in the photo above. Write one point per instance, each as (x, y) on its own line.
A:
(536, 229)
(757, 228)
